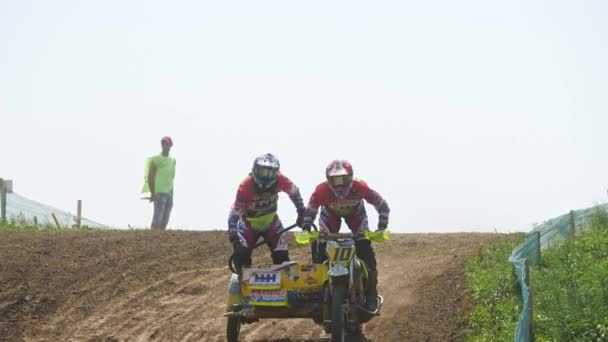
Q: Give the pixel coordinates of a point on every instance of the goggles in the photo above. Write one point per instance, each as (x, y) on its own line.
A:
(265, 172)
(340, 180)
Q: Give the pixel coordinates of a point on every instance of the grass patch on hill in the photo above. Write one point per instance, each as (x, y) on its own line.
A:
(571, 286)
(570, 289)
(494, 304)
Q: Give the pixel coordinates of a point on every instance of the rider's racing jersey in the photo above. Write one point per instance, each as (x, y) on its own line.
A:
(252, 204)
(324, 196)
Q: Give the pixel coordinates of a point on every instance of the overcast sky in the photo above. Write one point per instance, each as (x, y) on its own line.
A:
(465, 115)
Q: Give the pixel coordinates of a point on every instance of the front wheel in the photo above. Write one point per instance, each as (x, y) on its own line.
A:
(338, 325)
(233, 328)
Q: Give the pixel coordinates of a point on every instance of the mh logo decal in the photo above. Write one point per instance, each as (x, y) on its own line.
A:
(265, 279)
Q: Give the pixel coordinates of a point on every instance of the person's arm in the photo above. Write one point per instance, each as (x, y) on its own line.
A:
(314, 203)
(238, 209)
(372, 197)
(287, 186)
(151, 179)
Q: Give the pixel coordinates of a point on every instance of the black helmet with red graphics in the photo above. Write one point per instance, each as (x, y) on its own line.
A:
(264, 171)
(339, 175)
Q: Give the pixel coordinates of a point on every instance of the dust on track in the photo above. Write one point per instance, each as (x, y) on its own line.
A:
(108, 286)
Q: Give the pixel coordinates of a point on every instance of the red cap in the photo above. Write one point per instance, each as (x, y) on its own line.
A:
(167, 139)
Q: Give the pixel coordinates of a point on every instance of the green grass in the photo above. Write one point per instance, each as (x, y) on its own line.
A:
(492, 292)
(570, 289)
(23, 224)
(571, 286)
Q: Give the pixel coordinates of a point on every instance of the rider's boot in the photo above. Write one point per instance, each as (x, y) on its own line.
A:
(371, 297)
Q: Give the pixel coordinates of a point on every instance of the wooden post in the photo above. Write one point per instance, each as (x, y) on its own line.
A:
(2, 202)
(573, 222)
(36, 221)
(539, 247)
(79, 214)
(56, 220)
(531, 301)
(538, 259)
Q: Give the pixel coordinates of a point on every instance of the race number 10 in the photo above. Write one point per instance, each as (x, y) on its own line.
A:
(343, 254)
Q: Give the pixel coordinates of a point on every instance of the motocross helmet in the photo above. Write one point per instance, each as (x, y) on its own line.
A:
(265, 170)
(339, 175)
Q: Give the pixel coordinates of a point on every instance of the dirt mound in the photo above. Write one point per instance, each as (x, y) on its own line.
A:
(171, 286)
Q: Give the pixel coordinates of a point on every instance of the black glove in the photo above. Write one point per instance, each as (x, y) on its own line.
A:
(382, 223)
(233, 235)
(300, 220)
(306, 221)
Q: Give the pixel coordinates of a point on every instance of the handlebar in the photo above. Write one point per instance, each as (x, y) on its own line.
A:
(231, 259)
(338, 236)
(305, 237)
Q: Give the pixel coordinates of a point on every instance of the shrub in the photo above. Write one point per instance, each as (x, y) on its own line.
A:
(492, 291)
(571, 286)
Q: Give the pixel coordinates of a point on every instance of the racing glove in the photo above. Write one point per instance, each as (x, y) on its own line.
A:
(300, 219)
(306, 226)
(306, 222)
(382, 223)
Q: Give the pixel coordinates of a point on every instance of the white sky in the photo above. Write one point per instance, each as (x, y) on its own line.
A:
(465, 115)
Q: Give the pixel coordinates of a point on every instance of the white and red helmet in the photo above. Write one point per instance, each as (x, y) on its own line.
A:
(339, 175)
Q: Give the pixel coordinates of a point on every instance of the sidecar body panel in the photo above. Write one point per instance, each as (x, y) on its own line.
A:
(282, 291)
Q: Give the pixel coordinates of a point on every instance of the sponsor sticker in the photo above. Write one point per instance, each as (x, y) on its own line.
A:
(265, 280)
(269, 297)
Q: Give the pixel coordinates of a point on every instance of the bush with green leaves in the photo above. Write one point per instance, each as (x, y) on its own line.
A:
(493, 293)
(571, 286)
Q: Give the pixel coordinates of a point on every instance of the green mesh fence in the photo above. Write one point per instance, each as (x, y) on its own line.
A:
(542, 236)
(19, 206)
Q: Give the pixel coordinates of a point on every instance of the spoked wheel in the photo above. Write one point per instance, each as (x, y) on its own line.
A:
(233, 328)
(338, 324)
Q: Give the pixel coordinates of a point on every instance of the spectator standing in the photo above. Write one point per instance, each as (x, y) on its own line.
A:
(160, 173)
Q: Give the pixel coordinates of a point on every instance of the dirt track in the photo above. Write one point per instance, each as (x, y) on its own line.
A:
(171, 286)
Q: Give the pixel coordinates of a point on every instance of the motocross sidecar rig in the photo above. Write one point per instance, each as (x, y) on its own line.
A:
(331, 294)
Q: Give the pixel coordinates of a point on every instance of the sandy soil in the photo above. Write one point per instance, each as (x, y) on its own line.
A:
(171, 286)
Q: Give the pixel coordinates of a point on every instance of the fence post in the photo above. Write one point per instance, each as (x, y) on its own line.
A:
(573, 222)
(2, 201)
(531, 301)
(538, 258)
(79, 214)
(56, 221)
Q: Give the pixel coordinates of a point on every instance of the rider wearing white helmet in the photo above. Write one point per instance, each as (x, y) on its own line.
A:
(254, 212)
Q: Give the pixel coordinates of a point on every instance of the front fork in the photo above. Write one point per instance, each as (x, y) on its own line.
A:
(352, 279)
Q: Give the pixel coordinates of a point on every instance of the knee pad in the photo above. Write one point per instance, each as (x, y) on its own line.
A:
(278, 257)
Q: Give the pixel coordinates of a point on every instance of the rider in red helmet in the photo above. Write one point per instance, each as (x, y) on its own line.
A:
(341, 197)
(254, 212)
